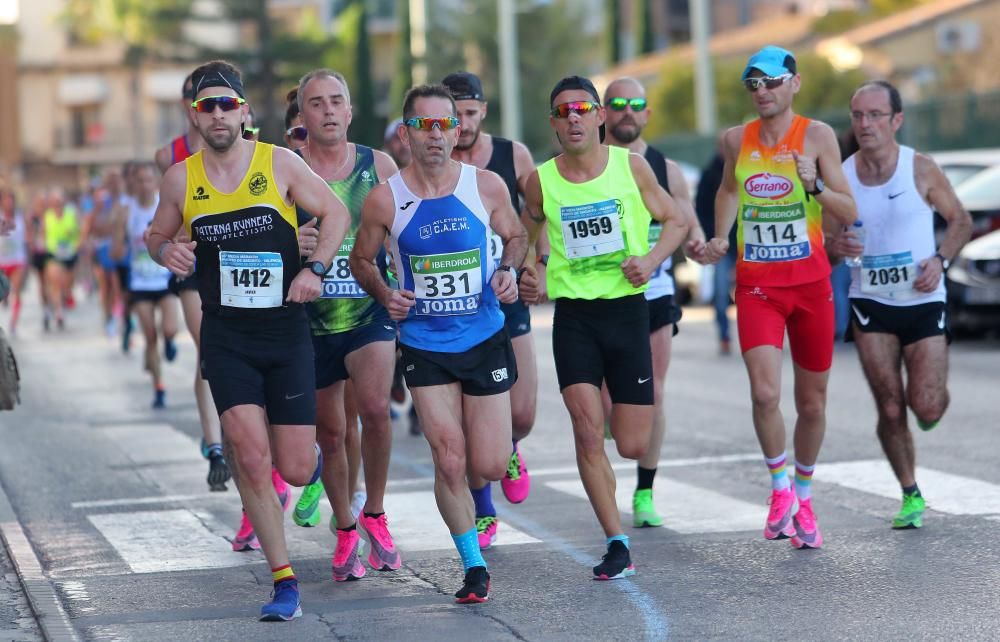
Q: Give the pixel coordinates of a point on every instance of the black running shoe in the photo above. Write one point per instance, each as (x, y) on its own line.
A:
(476, 589)
(616, 564)
(218, 472)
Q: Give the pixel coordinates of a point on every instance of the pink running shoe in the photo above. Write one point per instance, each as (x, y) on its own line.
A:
(347, 564)
(487, 529)
(246, 539)
(382, 555)
(779, 518)
(516, 482)
(281, 487)
(807, 533)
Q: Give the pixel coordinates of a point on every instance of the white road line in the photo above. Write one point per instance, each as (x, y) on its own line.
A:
(416, 525)
(946, 493)
(159, 499)
(685, 508)
(153, 443)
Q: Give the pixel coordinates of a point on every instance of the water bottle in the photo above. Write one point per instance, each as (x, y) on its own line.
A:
(859, 234)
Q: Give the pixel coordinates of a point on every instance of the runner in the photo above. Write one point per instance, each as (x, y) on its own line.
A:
(13, 252)
(236, 200)
(147, 280)
(457, 357)
(782, 182)
(295, 131)
(105, 267)
(627, 113)
(353, 337)
(597, 202)
(512, 162)
(186, 289)
(898, 293)
(61, 226)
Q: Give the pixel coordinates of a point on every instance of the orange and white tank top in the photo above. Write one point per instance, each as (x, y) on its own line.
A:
(779, 233)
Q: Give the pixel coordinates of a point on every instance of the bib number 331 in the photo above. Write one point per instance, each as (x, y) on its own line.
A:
(251, 279)
(447, 284)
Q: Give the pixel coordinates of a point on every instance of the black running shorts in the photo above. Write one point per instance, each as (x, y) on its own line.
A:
(486, 369)
(332, 349)
(261, 362)
(663, 311)
(605, 340)
(910, 323)
(516, 318)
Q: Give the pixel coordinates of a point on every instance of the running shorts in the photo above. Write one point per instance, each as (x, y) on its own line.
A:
(909, 323)
(485, 369)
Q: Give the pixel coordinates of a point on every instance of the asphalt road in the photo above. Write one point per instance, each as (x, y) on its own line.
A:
(112, 498)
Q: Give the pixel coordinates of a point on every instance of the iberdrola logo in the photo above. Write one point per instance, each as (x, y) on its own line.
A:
(425, 266)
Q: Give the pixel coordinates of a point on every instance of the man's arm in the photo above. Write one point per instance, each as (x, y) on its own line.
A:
(177, 257)
(163, 158)
(376, 219)
(524, 165)
(384, 165)
(936, 190)
(505, 224)
(533, 218)
(821, 158)
(118, 232)
(727, 198)
(661, 207)
(682, 197)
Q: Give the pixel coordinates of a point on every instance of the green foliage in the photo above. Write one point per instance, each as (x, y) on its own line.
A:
(837, 22)
(403, 78)
(672, 96)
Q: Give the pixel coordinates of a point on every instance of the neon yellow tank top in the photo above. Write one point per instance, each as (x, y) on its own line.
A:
(62, 233)
(593, 227)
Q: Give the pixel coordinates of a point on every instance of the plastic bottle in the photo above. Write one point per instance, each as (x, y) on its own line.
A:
(859, 236)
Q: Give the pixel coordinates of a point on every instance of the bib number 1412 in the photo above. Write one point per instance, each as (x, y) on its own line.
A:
(256, 278)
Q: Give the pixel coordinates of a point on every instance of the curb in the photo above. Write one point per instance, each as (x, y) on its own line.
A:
(53, 622)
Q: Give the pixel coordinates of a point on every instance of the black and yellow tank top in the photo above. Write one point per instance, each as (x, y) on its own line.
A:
(248, 250)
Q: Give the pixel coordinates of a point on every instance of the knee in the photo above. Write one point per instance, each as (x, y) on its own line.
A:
(892, 413)
(299, 471)
(522, 420)
(631, 447)
(374, 413)
(491, 467)
(450, 464)
(812, 408)
(330, 435)
(766, 398)
(589, 440)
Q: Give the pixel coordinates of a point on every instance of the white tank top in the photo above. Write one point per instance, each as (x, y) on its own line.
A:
(899, 234)
(145, 275)
(13, 250)
(661, 283)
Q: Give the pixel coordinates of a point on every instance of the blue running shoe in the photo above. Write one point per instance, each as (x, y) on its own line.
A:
(284, 604)
(169, 349)
(204, 448)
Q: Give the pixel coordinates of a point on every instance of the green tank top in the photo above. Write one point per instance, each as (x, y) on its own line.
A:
(593, 227)
(62, 233)
(343, 305)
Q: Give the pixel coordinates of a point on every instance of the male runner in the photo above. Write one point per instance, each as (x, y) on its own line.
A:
(782, 182)
(627, 113)
(148, 280)
(898, 293)
(512, 162)
(457, 357)
(186, 289)
(352, 335)
(236, 200)
(13, 251)
(597, 202)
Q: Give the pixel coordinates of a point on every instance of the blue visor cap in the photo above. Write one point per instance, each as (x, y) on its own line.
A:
(771, 61)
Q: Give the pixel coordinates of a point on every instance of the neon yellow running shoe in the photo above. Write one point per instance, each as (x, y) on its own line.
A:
(306, 511)
(911, 514)
(643, 512)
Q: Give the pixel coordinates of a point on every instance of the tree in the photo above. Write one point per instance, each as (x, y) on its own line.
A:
(365, 129)
(402, 80)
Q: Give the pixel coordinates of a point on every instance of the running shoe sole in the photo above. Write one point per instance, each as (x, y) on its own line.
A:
(472, 598)
(628, 571)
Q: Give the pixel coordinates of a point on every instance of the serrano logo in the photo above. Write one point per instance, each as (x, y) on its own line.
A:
(765, 185)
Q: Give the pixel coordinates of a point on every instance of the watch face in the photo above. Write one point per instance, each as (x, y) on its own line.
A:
(317, 268)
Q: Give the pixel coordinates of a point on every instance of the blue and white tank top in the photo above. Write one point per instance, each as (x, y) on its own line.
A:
(441, 250)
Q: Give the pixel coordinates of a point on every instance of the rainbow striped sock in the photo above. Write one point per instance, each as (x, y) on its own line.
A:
(804, 480)
(779, 476)
(282, 573)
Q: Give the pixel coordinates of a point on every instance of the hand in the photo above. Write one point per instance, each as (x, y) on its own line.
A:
(930, 274)
(695, 250)
(179, 257)
(308, 236)
(845, 245)
(714, 250)
(533, 287)
(806, 167)
(504, 285)
(306, 287)
(637, 270)
(399, 304)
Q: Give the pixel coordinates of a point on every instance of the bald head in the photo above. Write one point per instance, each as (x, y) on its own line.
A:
(627, 114)
(626, 86)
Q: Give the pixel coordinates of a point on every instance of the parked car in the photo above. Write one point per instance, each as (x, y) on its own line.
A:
(974, 285)
(961, 165)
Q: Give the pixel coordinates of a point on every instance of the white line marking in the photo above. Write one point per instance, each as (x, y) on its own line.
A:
(153, 443)
(685, 508)
(416, 525)
(946, 493)
(139, 501)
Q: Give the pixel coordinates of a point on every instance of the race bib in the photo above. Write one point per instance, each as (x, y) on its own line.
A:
(339, 282)
(447, 284)
(655, 231)
(774, 233)
(64, 250)
(592, 229)
(888, 273)
(251, 279)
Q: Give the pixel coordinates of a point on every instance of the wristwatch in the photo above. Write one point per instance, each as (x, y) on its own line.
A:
(945, 263)
(316, 267)
(818, 189)
(506, 268)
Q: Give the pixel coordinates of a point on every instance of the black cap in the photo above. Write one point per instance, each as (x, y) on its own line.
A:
(187, 89)
(574, 82)
(464, 86)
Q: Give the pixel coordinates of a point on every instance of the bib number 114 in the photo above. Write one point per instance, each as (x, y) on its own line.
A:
(774, 234)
